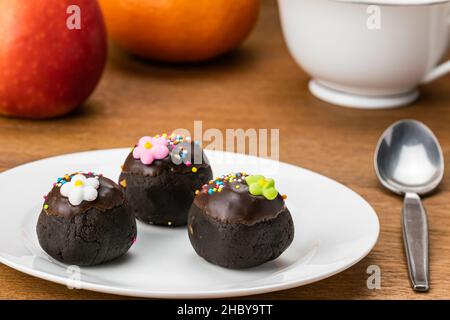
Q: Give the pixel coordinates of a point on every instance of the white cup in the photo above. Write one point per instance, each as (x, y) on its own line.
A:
(364, 55)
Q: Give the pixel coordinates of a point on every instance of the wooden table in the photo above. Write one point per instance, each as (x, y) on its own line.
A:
(257, 86)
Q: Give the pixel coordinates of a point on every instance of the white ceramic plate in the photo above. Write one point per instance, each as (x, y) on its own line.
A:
(334, 229)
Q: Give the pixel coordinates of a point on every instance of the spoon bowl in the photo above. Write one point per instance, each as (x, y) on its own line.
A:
(409, 158)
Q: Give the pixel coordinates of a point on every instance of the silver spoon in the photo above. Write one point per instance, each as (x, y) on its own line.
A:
(409, 161)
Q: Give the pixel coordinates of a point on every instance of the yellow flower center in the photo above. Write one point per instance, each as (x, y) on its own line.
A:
(78, 183)
(262, 182)
(148, 145)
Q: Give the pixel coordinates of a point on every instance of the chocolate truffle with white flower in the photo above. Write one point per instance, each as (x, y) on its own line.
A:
(240, 221)
(85, 221)
(160, 176)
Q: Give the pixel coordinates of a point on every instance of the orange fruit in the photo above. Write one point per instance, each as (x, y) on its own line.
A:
(179, 30)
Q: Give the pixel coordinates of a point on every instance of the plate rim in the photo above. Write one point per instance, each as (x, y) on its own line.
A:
(222, 293)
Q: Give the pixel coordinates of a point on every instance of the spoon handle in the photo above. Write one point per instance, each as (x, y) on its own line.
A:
(415, 235)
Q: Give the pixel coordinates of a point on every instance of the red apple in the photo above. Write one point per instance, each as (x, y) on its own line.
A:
(52, 55)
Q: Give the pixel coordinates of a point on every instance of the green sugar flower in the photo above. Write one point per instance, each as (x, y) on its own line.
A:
(258, 185)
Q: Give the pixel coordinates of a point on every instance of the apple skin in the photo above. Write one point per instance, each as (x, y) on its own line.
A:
(46, 69)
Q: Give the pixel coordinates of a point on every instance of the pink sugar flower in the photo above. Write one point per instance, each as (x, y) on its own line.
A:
(150, 149)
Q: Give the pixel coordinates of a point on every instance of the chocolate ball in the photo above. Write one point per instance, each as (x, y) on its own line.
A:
(161, 191)
(238, 225)
(84, 222)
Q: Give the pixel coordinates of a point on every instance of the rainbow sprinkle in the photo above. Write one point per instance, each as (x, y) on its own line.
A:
(174, 139)
(217, 184)
(237, 181)
(182, 153)
(67, 178)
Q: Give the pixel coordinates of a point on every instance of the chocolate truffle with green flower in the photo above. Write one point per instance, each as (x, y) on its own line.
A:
(85, 221)
(160, 176)
(260, 186)
(240, 221)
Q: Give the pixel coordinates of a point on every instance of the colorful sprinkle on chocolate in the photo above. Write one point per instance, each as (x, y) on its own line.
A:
(175, 139)
(68, 178)
(180, 154)
(217, 184)
(258, 185)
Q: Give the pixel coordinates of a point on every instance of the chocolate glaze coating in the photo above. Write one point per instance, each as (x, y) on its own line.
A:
(235, 229)
(233, 205)
(163, 192)
(236, 245)
(93, 233)
(109, 196)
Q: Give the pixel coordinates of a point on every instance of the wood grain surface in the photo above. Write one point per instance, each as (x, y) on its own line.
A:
(257, 86)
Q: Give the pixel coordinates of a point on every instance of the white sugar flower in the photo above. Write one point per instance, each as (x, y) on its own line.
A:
(80, 189)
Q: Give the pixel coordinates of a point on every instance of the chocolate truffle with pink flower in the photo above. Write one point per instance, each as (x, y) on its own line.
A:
(85, 221)
(160, 177)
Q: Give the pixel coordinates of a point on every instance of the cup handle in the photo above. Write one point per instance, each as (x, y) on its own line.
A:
(439, 71)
